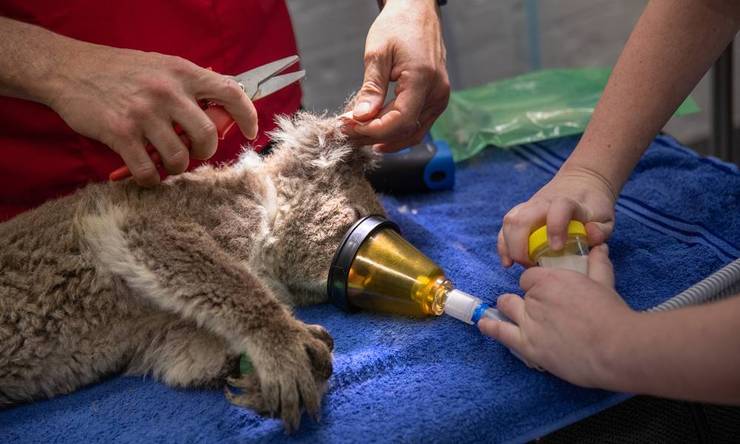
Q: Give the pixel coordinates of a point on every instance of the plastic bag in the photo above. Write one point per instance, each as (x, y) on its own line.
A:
(536, 106)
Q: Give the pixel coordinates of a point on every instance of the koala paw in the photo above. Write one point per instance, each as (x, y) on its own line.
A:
(291, 370)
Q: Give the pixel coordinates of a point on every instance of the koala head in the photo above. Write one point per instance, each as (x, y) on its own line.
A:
(321, 178)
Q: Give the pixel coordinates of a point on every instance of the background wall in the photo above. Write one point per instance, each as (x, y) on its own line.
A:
(486, 40)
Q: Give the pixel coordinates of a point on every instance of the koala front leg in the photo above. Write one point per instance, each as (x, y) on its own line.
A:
(180, 268)
(181, 354)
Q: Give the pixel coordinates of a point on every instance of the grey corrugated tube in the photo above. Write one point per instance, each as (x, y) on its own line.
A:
(721, 284)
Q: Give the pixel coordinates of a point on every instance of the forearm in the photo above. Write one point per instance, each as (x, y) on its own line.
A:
(673, 44)
(382, 3)
(691, 353)
(30, 59)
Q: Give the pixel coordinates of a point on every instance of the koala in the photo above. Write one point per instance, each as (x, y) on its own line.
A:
(178, 280)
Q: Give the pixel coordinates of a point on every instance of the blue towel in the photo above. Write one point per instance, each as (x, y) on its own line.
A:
(439, 380)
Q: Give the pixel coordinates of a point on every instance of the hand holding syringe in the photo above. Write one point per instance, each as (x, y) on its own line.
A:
(573, 256)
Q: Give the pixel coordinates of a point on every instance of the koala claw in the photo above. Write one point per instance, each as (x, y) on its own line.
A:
(290, 376)
(322, 334)
(242, 382)
(249, 394)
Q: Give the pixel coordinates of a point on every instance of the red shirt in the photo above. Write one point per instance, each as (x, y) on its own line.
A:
(42, 158)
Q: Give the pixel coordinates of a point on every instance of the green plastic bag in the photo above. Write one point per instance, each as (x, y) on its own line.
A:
(536, 106)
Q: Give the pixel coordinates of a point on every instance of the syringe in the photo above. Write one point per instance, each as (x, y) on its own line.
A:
(469, 309)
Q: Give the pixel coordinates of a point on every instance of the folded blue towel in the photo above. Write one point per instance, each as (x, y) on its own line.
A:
(439, 380)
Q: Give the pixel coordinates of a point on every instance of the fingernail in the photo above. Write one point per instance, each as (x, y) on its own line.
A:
(556, 243)
(361, 108)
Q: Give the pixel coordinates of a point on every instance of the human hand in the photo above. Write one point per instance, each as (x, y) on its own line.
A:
(404, 45)
(126, 99)
(574, 193)
(567, 323)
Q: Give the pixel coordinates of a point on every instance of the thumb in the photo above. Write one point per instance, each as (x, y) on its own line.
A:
(371, 97)
(600, 268)
(599, 232)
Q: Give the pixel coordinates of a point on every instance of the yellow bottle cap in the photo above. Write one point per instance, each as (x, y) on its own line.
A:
(538, 238)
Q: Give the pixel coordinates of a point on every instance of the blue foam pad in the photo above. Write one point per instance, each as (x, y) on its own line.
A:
(439, 380)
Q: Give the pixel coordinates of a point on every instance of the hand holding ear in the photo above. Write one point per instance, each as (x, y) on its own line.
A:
(404, 45)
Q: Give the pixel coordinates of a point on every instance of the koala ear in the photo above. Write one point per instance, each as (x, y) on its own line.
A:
(317, 141)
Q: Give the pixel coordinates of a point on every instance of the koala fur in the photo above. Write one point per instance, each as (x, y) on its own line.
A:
(176, 281)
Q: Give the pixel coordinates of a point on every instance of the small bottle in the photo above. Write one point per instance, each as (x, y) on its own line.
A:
(573, 256)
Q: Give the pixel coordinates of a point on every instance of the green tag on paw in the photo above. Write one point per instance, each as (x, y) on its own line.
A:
(245, 365)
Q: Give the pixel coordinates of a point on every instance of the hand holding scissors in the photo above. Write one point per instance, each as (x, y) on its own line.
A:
(256, 83)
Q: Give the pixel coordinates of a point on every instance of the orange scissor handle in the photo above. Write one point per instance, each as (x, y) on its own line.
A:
(218, 115)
